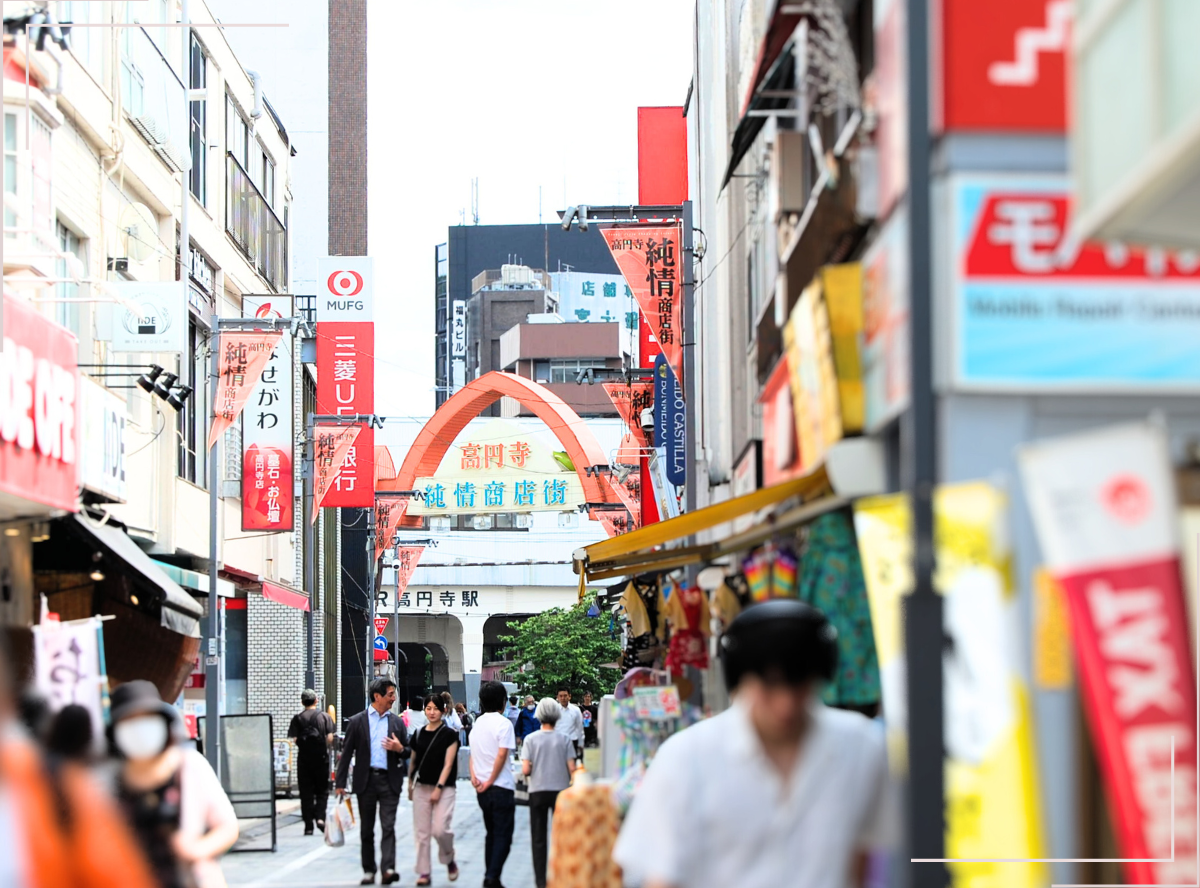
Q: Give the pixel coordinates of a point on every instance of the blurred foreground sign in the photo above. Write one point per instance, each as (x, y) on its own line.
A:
(69, 666)
(1103, 504)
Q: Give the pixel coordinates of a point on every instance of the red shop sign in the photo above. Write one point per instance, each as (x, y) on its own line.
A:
(39, 378)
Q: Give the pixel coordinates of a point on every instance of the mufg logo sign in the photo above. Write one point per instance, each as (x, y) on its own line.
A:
(347, 289)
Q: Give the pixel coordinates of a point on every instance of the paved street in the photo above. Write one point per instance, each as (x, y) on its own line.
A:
(307, 862)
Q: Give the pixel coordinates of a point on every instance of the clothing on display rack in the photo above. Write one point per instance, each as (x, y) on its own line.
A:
(687, 612)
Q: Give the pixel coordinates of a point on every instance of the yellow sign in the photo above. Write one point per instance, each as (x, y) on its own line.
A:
(809, 352)
(1052, 634)
(499, 468)
(992, 799)
(844, 297)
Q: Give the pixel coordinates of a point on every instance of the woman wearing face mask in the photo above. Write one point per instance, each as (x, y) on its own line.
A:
(172, 798)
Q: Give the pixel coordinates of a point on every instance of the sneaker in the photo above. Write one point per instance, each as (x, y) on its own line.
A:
(452, 871)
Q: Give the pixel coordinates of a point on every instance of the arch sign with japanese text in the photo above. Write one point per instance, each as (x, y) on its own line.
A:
(1036, 311)
(499, 468)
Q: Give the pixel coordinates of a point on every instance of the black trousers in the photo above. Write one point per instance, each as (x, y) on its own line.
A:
(312, 773)
(379, 793)
(499, 808)
(540, 806)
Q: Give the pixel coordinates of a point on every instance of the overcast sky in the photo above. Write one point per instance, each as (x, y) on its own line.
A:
(520, 94)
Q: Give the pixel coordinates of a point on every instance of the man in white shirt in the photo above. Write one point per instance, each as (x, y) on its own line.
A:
(571, 722)
(492, 742)
(801, 796)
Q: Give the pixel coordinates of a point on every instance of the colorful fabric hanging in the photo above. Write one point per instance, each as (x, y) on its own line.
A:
(690, 628)
(831, 579)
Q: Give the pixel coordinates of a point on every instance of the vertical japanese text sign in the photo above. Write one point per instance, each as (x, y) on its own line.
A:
(331, 447)
(268, 476)
(243, 357)
(346, 366)
(650, 259)
(69, 666)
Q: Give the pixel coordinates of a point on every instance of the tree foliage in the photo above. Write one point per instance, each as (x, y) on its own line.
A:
(565, 648)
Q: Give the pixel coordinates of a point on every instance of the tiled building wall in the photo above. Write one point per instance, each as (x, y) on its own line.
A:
(275, 651)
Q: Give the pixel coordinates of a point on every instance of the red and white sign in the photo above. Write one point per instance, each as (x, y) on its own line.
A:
(631, 399)
(268, 467)
(1104, 507)
(332, 446)
(345, 368)
(389, 512)
(380, 625)
(1004, 65)
(407, 559)
(651, 259)
(354, 486)
(243, 357)
(39, 438)
(346, 289)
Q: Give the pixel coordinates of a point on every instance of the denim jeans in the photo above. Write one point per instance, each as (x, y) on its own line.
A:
(499, 809)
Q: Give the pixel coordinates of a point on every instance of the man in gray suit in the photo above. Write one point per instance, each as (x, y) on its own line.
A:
(376, 740)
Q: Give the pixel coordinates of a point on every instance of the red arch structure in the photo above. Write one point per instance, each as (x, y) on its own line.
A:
(435, 438)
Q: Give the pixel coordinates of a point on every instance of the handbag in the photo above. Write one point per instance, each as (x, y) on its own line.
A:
(521, 791)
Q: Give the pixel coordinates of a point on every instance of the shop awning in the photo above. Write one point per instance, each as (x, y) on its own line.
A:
(282, 595)
(180, 612)
(852, 468)
(191, 579)
(771, 83)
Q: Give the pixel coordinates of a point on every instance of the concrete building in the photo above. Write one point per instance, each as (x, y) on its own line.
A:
(557, 355)
(116, 155)
(472, 249)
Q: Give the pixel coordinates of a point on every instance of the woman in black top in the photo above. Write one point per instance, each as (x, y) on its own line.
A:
(433, 770)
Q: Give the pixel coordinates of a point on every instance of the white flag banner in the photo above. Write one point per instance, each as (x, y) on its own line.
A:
(69, 666)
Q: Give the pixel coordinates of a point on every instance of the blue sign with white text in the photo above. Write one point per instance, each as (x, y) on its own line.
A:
(670, 421)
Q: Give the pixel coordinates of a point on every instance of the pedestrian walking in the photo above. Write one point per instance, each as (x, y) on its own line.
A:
(414, 715)
(492, 742)
(512, 711)
(591, 720)
(451, 719)
(548, 760)
(170, 794)
(571, 722)
(313, 732)
(800, 796)
(375, 741)
(433, 770)
(467, 720)
(527, 721)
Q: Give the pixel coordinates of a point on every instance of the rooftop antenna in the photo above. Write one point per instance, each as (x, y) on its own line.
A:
(539, 205)
(475, 200)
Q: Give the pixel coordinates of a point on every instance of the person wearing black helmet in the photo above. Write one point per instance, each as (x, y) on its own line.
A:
(799, 797)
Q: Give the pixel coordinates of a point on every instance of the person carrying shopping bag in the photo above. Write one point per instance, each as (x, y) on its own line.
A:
(548, 760)
(433, 770)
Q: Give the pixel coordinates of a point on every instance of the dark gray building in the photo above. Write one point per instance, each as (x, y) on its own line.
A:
(473, 249)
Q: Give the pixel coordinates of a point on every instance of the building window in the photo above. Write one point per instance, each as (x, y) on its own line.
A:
(87, 44)
(236, 133)
(191, 420)
(10, 169)
(42, 165)
(268, 179)
(199, 126)
(568, 369)
(68, 314)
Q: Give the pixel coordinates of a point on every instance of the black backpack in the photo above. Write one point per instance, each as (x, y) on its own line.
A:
(312, 734)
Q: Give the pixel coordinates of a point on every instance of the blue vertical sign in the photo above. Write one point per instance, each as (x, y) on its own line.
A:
(670, 421)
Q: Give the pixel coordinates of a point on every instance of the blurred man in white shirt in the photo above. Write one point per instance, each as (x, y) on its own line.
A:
(800, 798)
(492, 742)
(571, 723)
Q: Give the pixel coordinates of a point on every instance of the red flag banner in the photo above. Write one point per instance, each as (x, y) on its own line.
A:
(1103, 504)
(407, 559)
(630, 400)
(615, 523)
(651, 261)
(331, 445)
(389, 510)
(243, 358)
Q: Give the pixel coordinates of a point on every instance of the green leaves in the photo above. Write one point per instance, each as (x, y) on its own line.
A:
(565, 648)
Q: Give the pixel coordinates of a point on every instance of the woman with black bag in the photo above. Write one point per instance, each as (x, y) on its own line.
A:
(433, 770)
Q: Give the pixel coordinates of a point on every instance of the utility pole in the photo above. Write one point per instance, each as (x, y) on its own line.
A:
(923, 627)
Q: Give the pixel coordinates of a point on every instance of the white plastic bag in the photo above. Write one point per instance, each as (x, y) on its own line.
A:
(335, 826)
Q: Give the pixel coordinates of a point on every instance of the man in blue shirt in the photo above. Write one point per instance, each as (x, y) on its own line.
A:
(376, 741)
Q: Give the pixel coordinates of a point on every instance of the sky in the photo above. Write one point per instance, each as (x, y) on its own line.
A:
(520, 94)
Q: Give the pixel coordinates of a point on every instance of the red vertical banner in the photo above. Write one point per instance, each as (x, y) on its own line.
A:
(268, 469)
(345, 368)
(1103, 504)
(662, 156)
(407, 558)
(243, 357)
(651, 259)
(389, 510)
(354, 486)
(331, 446)
(630, 400)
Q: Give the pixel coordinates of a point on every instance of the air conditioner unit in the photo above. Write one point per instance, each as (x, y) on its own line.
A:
(790, 175)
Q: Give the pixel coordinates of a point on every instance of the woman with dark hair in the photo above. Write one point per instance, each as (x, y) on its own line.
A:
(433, 770)
(170, 794)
